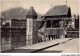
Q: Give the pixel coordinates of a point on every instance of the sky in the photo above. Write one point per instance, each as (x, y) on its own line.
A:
(40, 6)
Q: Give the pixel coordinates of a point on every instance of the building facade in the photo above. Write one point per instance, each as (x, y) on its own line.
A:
(13, 34)
(73, 30)
(56, 21)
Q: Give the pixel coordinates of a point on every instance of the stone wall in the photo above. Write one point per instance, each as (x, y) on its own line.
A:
(31, 34)
(5, 39)
(6, 44)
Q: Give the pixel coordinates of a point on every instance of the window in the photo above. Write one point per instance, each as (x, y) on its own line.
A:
(55, 23)
(48, 25)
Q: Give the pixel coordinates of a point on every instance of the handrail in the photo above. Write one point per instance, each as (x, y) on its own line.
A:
(55, 28)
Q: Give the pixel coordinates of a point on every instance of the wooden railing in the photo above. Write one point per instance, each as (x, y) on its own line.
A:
(52, 31)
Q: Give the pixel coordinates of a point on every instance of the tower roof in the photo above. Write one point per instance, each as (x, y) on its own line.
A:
(61, 10)
(31, 13)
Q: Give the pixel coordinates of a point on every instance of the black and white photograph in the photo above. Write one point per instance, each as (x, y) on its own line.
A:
(39, 26)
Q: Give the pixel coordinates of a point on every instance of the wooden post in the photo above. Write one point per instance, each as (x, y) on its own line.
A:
(10, 40)
(0, 40)
(51, 23)
(0, 35)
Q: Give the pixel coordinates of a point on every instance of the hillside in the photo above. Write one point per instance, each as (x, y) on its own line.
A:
(17, 13)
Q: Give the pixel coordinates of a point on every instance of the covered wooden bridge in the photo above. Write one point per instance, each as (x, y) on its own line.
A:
(56, 21)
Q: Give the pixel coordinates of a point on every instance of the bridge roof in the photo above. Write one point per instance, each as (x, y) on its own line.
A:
(59, 11)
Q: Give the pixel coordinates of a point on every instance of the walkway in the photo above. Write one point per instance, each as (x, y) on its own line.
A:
(39, 46)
